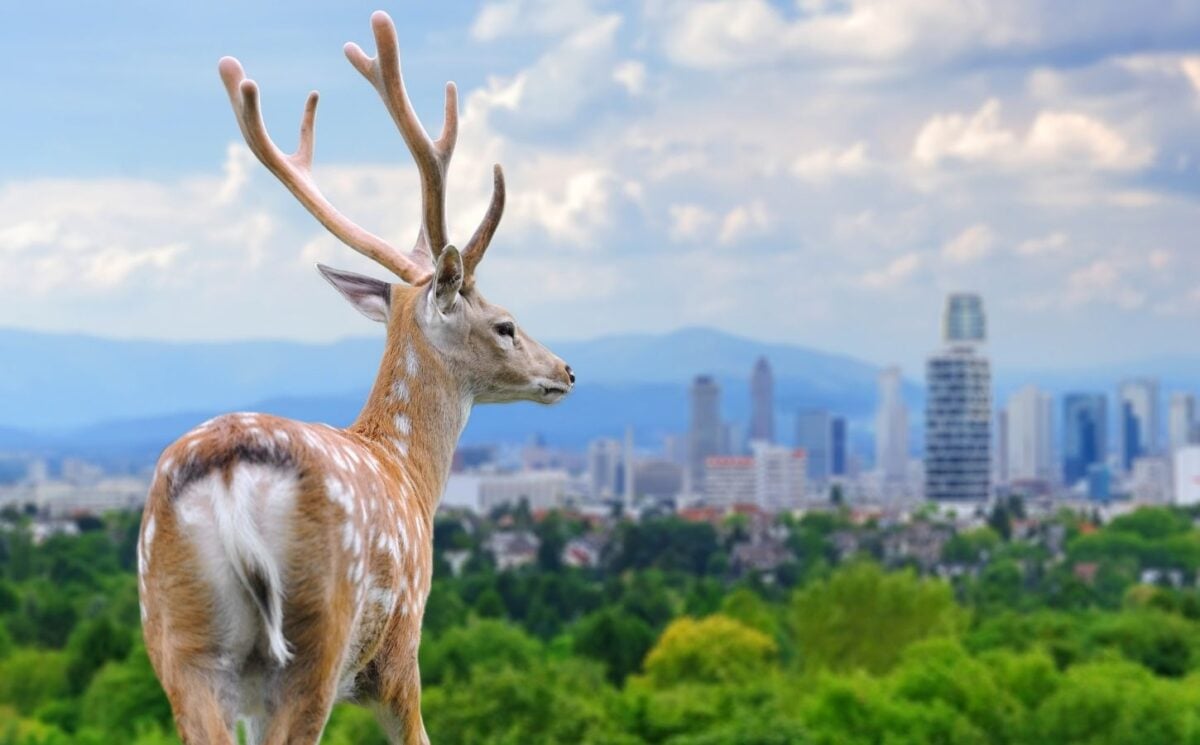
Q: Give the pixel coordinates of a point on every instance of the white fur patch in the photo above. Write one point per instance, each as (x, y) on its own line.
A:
(400, 389)
(148, 537)
(164, 468)
(339, 494)
(240, 531)
(403, 425)
(411, 364)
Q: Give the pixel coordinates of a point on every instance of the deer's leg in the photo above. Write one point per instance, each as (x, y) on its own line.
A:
(200, 715)
(306, 689)
(318, 622)
(398, 708)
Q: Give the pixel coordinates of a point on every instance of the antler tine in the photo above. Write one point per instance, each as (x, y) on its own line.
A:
(482, 238)
(432, 157)
(295, 172)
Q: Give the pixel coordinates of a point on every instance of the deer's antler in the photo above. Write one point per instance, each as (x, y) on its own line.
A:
(432, 156)
(295, 172)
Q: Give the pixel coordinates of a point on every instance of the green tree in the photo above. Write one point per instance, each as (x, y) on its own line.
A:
(617, 639)
(716, 649)
(863, 617)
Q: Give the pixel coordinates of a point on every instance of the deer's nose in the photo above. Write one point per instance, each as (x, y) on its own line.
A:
(570, 375)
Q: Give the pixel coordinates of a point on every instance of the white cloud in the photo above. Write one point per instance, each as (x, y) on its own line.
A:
(505, 18)
(631, 74)
(573, 212)
(1046, 244)
(893, 36)
(1054, 140)
(1100, 281)
(1159, 259)
(979, 136)
(897, 272)
(577, 69)
(971, 245)
(689, 222)
(743, 221)
(238, 162)
(821, 165)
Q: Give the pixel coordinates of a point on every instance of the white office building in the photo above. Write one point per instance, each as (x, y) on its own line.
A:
(1030, 436)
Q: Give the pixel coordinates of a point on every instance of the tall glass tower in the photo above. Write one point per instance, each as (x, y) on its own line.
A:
(958, 407)
(704, 430)
(762, 402)
(1138, 416)
(1085, 434)
(964, 320)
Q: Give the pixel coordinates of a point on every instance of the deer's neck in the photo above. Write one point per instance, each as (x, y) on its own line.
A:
(415, 413)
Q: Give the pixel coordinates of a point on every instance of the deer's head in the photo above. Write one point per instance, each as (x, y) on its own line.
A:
(480, 344)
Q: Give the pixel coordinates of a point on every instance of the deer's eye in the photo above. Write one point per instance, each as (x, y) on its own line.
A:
(506, 328)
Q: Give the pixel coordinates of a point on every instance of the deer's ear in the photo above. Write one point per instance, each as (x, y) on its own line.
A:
(448, 279)
(372, 297)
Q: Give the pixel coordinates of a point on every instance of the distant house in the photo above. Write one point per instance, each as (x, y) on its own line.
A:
(1085, 572)
(920, 541)
(513, 548)
(846, 544)
(763, 556)
(1162, 577)
(584, 551)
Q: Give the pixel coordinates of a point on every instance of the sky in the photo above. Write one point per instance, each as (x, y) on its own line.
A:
(820, 172)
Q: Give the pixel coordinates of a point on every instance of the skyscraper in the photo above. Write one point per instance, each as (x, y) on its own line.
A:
(762, 402)
(837, 446)
(964, 320)
(1138, 419)
(1000, 447)
(813, 429)
(891, 429)
(705, 431)
(958, 407)
(1085, 434)
(604, 467)
(1030, 427)
(1181, 420)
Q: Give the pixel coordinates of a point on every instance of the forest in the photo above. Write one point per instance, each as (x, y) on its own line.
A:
(1008, 641)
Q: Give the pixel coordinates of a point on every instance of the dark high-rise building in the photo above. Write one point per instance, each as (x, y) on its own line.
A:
(705, 431)
(1085, 434)
(837, 445)
(958, 407)
(762, 402)
(813, 429)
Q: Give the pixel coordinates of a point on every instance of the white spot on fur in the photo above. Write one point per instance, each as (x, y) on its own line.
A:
(148, 537)
(339, 494)
(403, 425)
(411, 364)
(400, 389)
(382, 597)
(400, 446)
(164, 468)
(282, 436)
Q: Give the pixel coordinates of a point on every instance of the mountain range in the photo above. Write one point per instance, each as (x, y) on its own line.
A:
(121, 401)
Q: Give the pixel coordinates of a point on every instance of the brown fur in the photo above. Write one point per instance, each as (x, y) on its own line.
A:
(319, 609)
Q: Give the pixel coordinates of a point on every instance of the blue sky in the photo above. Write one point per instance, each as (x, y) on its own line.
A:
(818, 172)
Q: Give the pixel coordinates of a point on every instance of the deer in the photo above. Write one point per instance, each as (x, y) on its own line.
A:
(284, 566)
